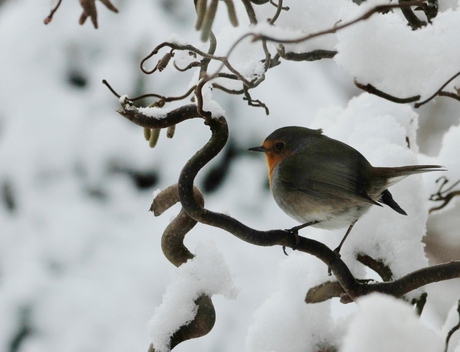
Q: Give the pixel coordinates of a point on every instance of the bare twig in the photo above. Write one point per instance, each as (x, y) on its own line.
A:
(449, 95)
(279, 8)
(365, 16)
(255, 102)
(188, 67)
(454, 329)
(162, 98)
(309, 56)
(372, 90)
(420, 303)
(211, 51)
(417, 105)
(269, 62)
(50, 16)
(174, 46)
(444, 195)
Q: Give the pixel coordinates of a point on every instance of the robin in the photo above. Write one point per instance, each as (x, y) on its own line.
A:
(325, 183)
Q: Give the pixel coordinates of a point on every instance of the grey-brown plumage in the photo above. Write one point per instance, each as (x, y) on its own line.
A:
(319, 180)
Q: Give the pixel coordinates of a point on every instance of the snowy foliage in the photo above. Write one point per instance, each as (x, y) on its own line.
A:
(81, 266)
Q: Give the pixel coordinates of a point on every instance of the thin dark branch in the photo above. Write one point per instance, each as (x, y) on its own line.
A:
(417, 105)
(188, 67)
(254, 102)
(420, 303)
(313, 55)
(418, 278)
(227, 90)
(279, 8)
(50, 16)
(162, 98)
(444, 195)
(199, 100)
(372, 90)
(365, 16)
(110, 88)
(454, 329)
(174, 46)
(223, 59)
(211, 50)
(449, 95)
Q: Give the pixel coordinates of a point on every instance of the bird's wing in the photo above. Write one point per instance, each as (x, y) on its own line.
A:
(334, 176)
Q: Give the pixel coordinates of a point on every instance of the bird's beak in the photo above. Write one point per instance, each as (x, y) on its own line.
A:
(258, 149)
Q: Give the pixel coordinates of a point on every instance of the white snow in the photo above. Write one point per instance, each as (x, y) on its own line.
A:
(398, 328)
(81, 265)
(398, 60)
(207, 273)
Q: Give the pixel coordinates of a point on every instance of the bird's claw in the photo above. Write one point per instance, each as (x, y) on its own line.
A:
(338, 256)
(295, 232)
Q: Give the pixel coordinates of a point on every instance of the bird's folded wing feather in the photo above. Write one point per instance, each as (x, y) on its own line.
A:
(334, 178)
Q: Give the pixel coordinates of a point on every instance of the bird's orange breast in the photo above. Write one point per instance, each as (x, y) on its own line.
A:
(275, 155)
(272, 161)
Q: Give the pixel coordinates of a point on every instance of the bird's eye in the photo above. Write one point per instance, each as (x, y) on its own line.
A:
(279, 146)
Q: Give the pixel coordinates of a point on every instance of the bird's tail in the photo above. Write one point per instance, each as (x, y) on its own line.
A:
(395, 174)
(407, 170)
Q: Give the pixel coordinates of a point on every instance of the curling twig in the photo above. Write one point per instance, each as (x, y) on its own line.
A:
(53, 11)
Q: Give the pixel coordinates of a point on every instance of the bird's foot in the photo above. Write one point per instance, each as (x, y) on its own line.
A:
(338, 256)
(296, 239)
(337, 252)
(295, 232)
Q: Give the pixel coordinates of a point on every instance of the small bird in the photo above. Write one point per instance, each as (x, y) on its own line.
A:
(322, 182)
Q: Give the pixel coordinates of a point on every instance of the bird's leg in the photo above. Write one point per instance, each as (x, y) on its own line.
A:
(295, 231)
(337, 250)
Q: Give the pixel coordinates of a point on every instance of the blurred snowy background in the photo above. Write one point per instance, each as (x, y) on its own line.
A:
(81, 268)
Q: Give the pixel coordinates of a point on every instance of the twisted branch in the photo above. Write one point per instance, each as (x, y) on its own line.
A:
(365, 16)
(204, 11)
(172, 244)
(373, 90)
(444, 195)
(351, 286)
